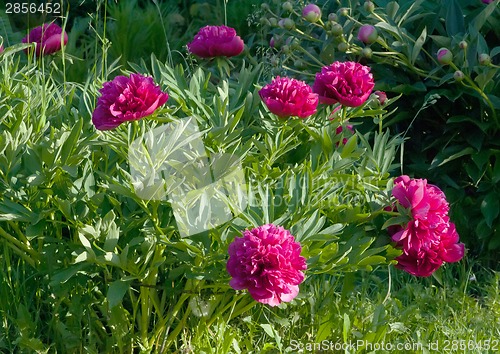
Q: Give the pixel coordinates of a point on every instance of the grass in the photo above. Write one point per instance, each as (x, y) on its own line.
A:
(384, 311)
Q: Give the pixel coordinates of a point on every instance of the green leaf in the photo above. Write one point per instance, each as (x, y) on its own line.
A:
(454, 18)
(418, 45)
(490, 208)
(116, 291)
(71, 141)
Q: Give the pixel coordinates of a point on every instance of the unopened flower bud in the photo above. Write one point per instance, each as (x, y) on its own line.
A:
(337, 30)
(369, 6)
(264, 6)
(382, 97)
(286, 49)
(367, 52)
(444, 56)
(342, 47)
(458, 75)
(286, 23)
(273, 21)
(344, 11)
(287, 6)
(463, 44)
(311, 13)
(367, 34)
(333, 17)
(484, 59)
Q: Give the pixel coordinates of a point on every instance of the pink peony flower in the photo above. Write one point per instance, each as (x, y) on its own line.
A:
(267, 262)
(348, 83)
(429, 238)
(125, 99)
(367, 34)
(49, 38)
(216, 41)
(287, 97)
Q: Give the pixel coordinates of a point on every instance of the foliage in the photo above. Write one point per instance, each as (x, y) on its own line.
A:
(453, 123)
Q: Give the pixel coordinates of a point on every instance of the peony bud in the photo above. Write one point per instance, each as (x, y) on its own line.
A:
(369, 6)
(286, 23)
(444, 56)
(311, 13)
(273, 21)
(344, 11)
(342, 47)
(382, 97)
(337, 30)
(287, 6)
(333, 17)
(458, 75)
(367, 53)
(367, 34)
(264, 6)
(484, 59)
(463, 45)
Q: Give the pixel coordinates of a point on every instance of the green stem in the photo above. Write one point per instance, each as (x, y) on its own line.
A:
(20, 248)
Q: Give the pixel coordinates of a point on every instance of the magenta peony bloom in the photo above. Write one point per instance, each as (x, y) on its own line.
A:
(348, 83)
(49, 38)
(429, 238)
(287, 97)
(267, 262)
(216, 41)
(125, 99)
(367, 34)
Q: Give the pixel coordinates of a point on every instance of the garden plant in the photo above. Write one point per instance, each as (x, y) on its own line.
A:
(219, 176)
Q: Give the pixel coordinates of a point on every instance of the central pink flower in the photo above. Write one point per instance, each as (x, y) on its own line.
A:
(267, 262)
(287, 97)
(429, 238)
(347, 83)
(125, 99)
(49, 38)
(216, 41)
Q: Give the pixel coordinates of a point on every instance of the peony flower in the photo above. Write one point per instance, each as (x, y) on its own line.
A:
(444, 56)
(311, 13)
(216, 41)
(429, 238)
(267, 262)
(49, 38)
(287, 97)
(367, 34)
(348, 83)
(125, 99)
